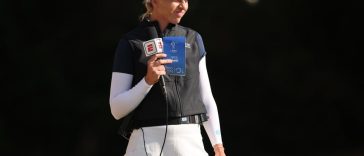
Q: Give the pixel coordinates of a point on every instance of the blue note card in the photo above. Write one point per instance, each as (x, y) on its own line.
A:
(174, 47)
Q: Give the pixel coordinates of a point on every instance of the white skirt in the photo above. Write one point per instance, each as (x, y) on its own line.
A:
(181, 140)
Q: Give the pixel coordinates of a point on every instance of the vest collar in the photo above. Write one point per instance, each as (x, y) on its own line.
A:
(170, 27)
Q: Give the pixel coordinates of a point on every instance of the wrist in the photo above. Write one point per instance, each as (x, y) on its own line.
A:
(148, 81)
(218, 148)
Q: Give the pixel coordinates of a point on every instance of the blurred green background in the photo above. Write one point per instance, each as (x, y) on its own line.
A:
(286, 75)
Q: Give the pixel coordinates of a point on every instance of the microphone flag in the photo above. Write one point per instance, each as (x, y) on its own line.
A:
(153, 46)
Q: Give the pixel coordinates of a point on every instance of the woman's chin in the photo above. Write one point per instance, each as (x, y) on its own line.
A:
(176, 20)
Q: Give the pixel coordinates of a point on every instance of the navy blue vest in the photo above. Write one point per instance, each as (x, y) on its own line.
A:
(183, 92)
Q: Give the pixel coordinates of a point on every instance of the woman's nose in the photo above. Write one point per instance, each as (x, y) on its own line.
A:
(183, 1)
(182, 4)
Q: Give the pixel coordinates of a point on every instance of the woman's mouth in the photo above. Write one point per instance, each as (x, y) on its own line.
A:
(180, 13)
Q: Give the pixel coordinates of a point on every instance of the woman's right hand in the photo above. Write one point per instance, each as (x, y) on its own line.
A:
(156, 68)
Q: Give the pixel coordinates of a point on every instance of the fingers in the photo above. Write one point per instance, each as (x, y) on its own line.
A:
(162, 62)
(161, 70)
(156, 67)
(157, 56)
(157, 59)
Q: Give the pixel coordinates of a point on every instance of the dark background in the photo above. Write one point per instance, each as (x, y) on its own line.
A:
(286, 75)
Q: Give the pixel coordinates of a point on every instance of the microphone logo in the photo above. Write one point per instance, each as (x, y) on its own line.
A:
(153, 46)
(150, 47)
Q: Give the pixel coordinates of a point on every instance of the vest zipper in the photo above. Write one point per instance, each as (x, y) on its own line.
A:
(162, 34)
(178, 97)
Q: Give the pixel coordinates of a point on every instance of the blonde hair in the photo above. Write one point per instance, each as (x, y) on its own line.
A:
(148, 7)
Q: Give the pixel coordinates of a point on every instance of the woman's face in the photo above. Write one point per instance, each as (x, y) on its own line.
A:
(169, 11)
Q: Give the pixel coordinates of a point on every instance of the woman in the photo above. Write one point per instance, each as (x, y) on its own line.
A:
(168, 122)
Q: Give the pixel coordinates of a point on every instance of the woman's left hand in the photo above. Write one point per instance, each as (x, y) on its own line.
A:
(219, 150)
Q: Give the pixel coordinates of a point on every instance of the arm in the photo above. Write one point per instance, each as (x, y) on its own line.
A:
(212, 126)
(123, 98)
